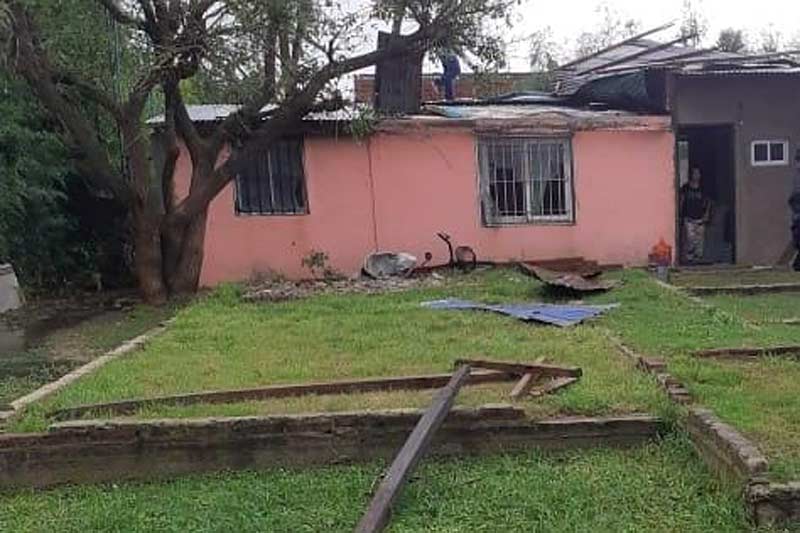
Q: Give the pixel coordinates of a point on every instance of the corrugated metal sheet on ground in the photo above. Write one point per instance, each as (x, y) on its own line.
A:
(556, 315)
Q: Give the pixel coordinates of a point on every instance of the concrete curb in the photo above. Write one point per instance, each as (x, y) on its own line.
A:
(114, 450)
(51, 388)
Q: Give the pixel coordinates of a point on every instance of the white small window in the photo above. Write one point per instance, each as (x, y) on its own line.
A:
(769, 153)
(525, 180)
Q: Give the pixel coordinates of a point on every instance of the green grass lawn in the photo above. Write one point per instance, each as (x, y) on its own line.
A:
(221, 342)
(662, 487)
(763, 309)
(758, 397)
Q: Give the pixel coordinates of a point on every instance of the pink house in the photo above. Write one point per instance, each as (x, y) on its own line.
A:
(514, 182)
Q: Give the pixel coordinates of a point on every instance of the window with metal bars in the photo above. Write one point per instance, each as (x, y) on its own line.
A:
(272, 182)
(525, 180)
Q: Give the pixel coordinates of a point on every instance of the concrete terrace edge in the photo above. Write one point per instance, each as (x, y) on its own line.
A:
(92, 366)
(117, 450)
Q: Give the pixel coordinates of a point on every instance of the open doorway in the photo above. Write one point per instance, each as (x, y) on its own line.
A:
(710, 149)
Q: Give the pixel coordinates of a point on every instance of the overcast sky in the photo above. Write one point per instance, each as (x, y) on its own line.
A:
(569, 18)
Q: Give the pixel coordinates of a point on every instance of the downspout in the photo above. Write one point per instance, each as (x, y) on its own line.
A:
(372, 195)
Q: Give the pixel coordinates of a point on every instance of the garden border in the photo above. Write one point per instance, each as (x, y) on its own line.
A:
(91, 367)
(115, 450)
(728, 453)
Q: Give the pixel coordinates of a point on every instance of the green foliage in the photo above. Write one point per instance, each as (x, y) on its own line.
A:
(35, 228)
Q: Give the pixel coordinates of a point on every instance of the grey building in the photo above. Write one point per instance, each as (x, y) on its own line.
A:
(736, 118)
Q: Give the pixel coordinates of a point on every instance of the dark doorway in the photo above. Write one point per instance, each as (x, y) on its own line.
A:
(711, 150)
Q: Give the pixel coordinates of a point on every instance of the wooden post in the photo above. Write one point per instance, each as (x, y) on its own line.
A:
(377, 516)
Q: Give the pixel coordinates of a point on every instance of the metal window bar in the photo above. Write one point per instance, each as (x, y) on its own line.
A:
(272, 182)
(525, 180)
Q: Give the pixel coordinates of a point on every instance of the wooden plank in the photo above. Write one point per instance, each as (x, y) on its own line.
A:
(744, 289)
(378, 513)
(552, 386)
(423, 382)
(522, 368)
(523, 385)
(749, 352)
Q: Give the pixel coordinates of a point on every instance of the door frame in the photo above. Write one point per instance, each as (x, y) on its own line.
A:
(680, 130)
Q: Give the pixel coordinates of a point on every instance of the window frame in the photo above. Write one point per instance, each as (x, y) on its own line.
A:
(530, 218)
(769, 162)
(303, 176)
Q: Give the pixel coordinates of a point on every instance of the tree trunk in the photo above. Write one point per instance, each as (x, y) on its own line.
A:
(148, 259)
(183, 254)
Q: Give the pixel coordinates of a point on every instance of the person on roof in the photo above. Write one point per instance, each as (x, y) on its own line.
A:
(695, 212)
(794, 205)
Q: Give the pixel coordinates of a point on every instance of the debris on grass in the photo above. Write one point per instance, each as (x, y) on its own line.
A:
(276, 290)
(570, 281)
(552, 314)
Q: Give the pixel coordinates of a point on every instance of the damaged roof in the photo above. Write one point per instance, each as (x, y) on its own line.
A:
(641, 54)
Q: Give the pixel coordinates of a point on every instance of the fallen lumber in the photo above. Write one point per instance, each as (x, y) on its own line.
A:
(423, 382)
(749, 352)
(552, 386)
(522, 368)
(379, 511)
(523, 386)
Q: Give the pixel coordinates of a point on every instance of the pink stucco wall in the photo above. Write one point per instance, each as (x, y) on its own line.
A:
(395, 191)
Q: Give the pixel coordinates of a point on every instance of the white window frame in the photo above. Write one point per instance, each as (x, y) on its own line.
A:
(529, 218)
(769, 162)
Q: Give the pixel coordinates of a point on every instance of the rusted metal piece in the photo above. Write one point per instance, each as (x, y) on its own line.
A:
(569, 281)
(379, 511)
(433, 381)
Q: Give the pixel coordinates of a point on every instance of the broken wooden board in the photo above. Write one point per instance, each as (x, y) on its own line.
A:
(523, 385)
(747, 353)
(552, 386)
(568, 280)
(423, 382)
(379, 511)
(522, 368)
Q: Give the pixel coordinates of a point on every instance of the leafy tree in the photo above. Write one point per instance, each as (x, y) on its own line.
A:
(694, 25)
(771, 40)
(611, 28)
(286, 54)
(731, 40)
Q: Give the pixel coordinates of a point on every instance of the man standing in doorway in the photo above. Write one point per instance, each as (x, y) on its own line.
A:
(695, 213)
(794, 204)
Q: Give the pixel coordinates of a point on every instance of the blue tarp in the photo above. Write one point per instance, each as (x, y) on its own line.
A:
(556, 315)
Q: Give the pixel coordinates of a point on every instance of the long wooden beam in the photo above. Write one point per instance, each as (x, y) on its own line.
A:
(423, 382)
(749, 352)
(617, 45)
(379, 511)
(523, 368)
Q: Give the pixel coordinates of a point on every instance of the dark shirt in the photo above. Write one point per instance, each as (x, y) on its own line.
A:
(694, 204)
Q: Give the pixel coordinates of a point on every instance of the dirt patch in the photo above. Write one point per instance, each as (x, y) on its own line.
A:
(274, 290)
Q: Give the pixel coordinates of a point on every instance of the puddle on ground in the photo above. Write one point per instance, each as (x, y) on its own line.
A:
(23, 354)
